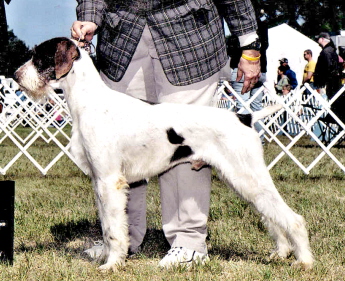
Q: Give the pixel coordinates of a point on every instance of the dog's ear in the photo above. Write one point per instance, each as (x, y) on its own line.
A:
(67, 52)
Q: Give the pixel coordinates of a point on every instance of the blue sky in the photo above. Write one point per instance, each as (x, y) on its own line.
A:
(35, 21)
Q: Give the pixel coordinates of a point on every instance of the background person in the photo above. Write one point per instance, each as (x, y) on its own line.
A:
(282, 79)
(289, 73)
(309, 69)
(170, 51)
(327, 75)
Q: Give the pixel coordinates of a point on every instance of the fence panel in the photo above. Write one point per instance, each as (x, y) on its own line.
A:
(45, 120)
(301, 116)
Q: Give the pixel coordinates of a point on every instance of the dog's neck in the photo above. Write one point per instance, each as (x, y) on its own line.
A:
(83, 70)
(76, 85)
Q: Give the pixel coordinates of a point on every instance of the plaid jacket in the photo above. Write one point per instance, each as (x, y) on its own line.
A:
(188, 34)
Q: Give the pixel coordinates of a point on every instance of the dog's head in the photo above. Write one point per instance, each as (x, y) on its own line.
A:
(51, 60)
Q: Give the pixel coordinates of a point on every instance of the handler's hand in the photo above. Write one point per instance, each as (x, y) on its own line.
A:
(83, 30)
(250, 70)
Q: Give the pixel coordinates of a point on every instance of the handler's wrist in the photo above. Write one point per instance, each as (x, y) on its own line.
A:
(251, 55)
(250, 58)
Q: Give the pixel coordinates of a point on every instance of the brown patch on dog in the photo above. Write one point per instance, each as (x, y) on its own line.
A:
(198, 164)
(65, 55)
(121, 183)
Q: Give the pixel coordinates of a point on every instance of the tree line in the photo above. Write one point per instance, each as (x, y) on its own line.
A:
(17, 53)
(310, 17)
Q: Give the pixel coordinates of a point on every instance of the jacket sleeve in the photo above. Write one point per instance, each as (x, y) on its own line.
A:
(91, 10)
(292, 78)
(320, 73)
(239, 15)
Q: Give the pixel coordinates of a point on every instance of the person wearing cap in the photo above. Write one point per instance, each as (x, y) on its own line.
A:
(326, 71)
(291, 75)
(327, 74)
(284, 62)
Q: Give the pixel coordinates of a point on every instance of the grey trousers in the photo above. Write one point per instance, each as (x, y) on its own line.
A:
(185, 193)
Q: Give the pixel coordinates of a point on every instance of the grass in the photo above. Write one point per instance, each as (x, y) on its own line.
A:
(56, 218)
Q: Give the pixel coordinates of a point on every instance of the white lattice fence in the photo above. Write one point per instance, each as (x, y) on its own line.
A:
(45, 121)
(300, 117)
(49, 121)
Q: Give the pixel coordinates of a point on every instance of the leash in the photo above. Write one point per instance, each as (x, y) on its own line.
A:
(89, 47)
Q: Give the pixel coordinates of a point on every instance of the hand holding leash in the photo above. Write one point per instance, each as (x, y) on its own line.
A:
(83, 31)
(249, 66)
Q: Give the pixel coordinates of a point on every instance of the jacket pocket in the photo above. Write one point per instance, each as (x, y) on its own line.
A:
(112, 19)
(198, 10)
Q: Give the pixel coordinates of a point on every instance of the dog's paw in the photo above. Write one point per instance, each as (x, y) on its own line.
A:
(305, 264)
(111, 266)
(280, 254)
(302, 265)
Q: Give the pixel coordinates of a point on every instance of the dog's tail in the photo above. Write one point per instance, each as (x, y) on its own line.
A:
(268, 110)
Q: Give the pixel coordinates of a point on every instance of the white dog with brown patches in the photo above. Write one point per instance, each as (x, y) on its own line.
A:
(118, 140)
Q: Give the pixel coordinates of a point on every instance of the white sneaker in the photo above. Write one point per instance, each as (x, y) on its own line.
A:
(182, 256)
(95, 251)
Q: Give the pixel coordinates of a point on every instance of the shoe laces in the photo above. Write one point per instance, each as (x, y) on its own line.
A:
(98, 243)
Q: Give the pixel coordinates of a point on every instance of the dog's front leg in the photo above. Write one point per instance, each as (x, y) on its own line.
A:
(111, 197)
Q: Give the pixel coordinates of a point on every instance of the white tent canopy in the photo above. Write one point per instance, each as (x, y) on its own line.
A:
(286, 42)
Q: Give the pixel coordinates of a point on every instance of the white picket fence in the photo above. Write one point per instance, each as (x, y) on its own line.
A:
(46, 120)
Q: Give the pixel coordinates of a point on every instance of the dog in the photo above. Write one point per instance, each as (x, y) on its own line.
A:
(142, 140)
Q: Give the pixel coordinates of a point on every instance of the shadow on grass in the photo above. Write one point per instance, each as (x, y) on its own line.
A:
(154, 244)
(154, 241)
(65, 232)
(237, 255)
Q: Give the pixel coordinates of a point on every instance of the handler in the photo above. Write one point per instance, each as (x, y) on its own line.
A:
(170, 51)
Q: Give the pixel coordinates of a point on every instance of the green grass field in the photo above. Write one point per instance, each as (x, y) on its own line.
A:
(56, 219)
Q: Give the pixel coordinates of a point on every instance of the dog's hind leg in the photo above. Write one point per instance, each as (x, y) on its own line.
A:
(111, 198)
(249, 177)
